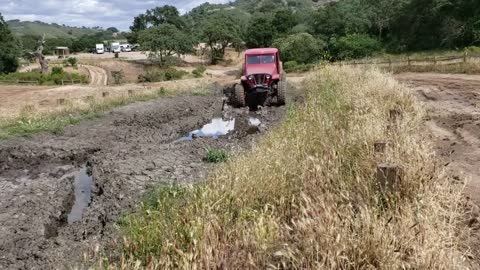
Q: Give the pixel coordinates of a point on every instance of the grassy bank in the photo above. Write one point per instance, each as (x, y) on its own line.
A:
(30, 121)
(306, 196)
(471, 67)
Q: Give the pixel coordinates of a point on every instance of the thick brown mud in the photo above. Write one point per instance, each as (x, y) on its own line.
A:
(129, 151)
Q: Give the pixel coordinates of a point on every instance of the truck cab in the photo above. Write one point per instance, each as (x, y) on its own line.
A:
(99, 49)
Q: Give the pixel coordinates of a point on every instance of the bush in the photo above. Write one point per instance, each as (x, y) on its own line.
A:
(354, 46)
(198, 72)
(118, 76)
(57, 70)
(160, 75)
(302, 48)
(72, 61)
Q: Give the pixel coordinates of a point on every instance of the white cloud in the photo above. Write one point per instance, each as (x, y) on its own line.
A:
(105, 13)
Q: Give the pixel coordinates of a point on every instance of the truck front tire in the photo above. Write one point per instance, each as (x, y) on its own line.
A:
(239, 96)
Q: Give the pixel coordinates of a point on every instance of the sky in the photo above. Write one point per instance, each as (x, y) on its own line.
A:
(104, 13)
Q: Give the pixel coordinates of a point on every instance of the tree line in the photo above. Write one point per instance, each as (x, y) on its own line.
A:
(303, 30)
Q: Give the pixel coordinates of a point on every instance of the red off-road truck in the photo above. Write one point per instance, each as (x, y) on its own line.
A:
(263, 79)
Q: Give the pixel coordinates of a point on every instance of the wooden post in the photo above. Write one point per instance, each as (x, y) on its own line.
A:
(62, 82)
(105, 94)
(435, 60)
(409, 61)
(130, 92)
(390, 63)
(396, 115)
(60, 101)
(465, 54)
(380, 147)
(389, 176)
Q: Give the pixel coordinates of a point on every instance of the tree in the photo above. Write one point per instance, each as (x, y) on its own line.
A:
(354, 46)
(283, 21)
(113, 29)
(302, 48)
(259, 32)
(9, 49)
(154, 17)
(220, 30)
(165, 40)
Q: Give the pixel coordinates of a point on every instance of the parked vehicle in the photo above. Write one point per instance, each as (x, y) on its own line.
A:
(125, 47)
(263, 79)
(115, 47)
(100, 49)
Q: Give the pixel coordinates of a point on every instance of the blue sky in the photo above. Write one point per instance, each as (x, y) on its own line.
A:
(104, 13)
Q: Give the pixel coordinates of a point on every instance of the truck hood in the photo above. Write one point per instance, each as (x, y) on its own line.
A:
(261, 69)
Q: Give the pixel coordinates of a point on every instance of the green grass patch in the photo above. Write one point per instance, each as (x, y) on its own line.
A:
(56, 77)
(216, 155)
(30, 122)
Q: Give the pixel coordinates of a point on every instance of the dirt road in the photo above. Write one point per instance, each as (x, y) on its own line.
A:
(61, 195)
(453, 103)
(98, 76)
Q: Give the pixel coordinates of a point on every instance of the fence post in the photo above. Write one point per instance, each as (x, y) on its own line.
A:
(62, 81)
(409, 61)
(390, 64)
(435, 60)
(465, 54)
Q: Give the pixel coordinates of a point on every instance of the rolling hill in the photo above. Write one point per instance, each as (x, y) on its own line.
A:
(53, 30)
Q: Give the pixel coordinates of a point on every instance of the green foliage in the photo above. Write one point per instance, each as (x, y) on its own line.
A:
(51, 31)
(260, 32)
(198, 72)
(54, 78)
(219, 30)
(302, 48)
(216, 155)
(165, 40)
(355, 46)
(72, 61)
(160, 75)
(9, 49)
(294, 66)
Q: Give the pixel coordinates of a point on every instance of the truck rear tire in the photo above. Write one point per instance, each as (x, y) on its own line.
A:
(282, 90)
(239, 96)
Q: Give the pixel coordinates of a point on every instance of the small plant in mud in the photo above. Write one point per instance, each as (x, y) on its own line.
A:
(216, 155)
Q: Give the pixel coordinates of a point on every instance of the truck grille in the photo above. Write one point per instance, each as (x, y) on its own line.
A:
(260, 79)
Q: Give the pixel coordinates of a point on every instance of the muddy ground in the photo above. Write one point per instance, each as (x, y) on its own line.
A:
(124, 154)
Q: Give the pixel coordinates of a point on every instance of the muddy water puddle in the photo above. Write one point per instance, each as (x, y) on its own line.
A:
(83, 194)
(216, 128)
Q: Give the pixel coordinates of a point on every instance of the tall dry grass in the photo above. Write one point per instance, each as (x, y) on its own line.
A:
(306, 196)
(470, 67)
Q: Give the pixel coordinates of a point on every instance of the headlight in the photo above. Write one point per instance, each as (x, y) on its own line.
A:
(268, 77)
(250, 77)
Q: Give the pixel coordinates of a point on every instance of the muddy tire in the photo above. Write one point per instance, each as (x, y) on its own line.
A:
(282, 90)
(239, 96)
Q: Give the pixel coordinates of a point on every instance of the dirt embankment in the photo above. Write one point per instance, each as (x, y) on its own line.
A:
(453, 103)
(42, 223)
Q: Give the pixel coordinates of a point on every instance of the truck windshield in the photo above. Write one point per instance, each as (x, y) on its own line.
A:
(261, 59)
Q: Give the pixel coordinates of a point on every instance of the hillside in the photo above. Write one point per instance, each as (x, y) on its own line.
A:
(53, 30)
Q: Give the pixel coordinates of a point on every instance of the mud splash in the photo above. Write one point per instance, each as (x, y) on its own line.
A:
(83, 194)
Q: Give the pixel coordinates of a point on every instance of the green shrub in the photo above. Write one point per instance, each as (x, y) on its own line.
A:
(302, 48)
(72, 61)
(160, 75)
(354, 46)
(216, 155)
(198, 72)
(57, 70)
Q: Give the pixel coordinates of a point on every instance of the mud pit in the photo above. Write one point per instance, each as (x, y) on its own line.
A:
(129, 151)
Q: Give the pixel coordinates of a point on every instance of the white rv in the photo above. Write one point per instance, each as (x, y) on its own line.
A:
(99, 49)
(125, 47)
(115, 47)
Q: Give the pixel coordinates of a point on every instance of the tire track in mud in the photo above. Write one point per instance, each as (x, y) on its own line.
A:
(129, 151)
